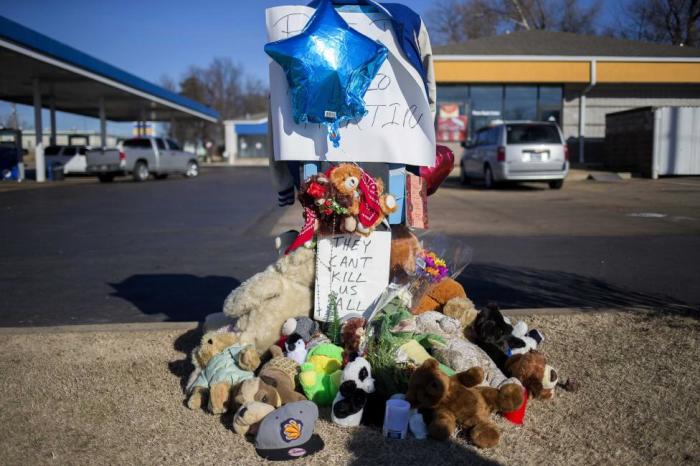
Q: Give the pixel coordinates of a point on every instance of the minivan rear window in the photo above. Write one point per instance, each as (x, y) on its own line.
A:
(526, 134)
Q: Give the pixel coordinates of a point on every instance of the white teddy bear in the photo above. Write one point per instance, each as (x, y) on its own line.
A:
(266, 300)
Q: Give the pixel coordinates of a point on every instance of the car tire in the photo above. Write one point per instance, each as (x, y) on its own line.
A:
(141, 172)
(463, 178)
(160, 176)
(489, 183)
(556, 184)
(192, 170)
(105, 178)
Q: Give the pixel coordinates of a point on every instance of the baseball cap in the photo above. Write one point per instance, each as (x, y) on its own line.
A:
(287, 433)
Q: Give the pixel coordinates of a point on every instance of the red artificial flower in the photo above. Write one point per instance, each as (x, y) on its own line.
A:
(315, 190)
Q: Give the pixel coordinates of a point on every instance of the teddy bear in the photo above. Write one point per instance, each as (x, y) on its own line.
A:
(449, 402)
(332, 211)
(355, 385)
(221, 364)
(248, 417)
(266, 300)
(321, 373)
(275, 383)
(447, 296)
(405, 247)
(457, 352)
(370, 204)
(351, 333)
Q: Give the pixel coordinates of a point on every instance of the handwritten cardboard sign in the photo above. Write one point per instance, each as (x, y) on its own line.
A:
(398, 126)
(356, 268)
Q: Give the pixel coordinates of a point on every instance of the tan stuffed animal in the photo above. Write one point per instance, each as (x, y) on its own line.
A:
(275, 383)
(266, 300)
(458, 401)
(448, 296)
(221, 364)
(248, 417)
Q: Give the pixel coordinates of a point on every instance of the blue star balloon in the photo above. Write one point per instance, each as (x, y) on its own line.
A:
(329, 67)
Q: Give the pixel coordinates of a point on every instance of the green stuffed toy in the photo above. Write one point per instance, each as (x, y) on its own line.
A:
(320, 374)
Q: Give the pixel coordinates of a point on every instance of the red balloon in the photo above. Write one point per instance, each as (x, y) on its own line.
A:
(444, 163)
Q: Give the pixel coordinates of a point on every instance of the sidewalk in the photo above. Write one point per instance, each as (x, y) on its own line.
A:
(113, 395)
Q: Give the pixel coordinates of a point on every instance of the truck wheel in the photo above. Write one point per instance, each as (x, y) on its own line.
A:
(105, 178)
(192, 169)
(556, 184)
(141, 172)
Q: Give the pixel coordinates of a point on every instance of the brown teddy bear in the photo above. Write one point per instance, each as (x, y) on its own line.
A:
(332, 209)
(275, 383)
(458, 401)
(405, 247)
(351, 334)
(447, 296)
(370, 204)
(221, 364)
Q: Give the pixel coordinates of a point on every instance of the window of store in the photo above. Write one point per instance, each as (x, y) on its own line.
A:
(476, 106)
(550, 99)
(520, 103)
(486, 105)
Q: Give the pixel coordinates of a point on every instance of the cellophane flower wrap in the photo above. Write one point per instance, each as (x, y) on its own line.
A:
(441, 257)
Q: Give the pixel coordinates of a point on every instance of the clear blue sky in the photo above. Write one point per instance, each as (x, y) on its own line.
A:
(154, 38)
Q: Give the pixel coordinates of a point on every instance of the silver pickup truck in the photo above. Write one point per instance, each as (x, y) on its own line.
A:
(140, 157)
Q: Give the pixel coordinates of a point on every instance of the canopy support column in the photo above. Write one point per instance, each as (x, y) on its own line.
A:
(39, 136)
(103, 124)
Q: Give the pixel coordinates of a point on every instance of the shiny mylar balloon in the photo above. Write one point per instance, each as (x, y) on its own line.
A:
(329, 67)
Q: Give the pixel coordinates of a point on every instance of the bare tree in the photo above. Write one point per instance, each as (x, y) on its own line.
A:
(224, 86)
(453, 21)
(671, 21)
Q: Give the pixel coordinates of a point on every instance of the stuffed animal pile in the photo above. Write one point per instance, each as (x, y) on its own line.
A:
(427, 345)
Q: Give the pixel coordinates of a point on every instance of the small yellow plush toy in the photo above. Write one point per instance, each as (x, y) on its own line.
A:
(221, 364)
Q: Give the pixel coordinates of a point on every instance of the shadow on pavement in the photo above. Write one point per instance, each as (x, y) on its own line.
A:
(185, 343)
(181, 297)
(522, 287)
(370, 448)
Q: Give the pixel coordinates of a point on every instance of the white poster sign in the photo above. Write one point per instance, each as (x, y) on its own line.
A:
(398, 126)
(356, 268)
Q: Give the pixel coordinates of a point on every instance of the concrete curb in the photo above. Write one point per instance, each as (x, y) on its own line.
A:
(165, 326)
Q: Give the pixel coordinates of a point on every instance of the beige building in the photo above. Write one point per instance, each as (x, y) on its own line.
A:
(573, 79)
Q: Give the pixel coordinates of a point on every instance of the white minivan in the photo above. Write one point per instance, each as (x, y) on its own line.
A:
(516, 151)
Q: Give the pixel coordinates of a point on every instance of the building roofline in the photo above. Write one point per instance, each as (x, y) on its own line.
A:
(28, 42)
(567, 58)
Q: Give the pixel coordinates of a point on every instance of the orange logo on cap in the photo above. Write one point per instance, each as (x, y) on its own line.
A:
(291, 430)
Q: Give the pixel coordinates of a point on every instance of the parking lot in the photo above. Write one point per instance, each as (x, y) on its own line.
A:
(84, 252)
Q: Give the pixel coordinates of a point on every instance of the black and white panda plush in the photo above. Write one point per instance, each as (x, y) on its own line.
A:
(355, 384)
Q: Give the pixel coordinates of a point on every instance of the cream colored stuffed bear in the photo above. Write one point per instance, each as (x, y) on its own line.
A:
(266, 300)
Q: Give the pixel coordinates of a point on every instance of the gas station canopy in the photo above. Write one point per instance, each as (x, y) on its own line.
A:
(72, 81)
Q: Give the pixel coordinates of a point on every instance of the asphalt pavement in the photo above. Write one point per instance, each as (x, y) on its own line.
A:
(171, 250)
